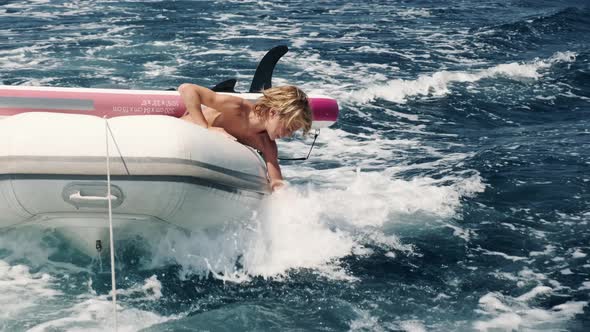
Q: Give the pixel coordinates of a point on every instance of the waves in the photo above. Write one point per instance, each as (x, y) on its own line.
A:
(507, 313)
(439, 83)
(538, 27)
(316, 229)
(22, 289)
(450, 196)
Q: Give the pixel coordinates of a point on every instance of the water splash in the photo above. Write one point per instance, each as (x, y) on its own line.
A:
(438, 84)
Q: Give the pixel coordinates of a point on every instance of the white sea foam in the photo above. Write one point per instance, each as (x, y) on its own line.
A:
(372, 49)
(503, 255)
(549, 249)
(412, 326)
(269, 245)
(508, 314)
(578, 253)
(413, 12)
(539, 290)
(309, 227)
(332, 216)
(530, 275)
(150, 290)
(27, 57)
(35, 252)
(373, 199)
(52, 10)
(22, 290)
(36, 298)
(566, 272)
(439, 83)
(155, 69)
(95, 313)
(335, 214)
(365, 322)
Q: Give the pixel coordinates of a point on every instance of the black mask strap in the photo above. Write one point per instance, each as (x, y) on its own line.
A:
(317, 133)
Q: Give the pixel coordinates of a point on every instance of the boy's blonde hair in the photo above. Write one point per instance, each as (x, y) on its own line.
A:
(290, 103)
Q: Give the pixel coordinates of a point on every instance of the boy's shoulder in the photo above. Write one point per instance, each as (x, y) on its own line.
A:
(262, 143)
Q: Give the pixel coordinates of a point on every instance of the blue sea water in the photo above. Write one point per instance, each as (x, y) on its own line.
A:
(452, 195)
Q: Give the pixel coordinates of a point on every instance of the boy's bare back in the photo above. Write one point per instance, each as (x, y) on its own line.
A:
(278, 113)
(232, 120)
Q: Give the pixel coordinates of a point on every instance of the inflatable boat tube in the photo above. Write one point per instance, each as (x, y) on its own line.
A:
(165, 172)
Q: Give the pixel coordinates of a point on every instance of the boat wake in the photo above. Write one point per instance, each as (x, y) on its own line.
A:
(439, 83)
(303, 227)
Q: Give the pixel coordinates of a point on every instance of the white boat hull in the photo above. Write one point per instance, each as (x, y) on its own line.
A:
(165, 172)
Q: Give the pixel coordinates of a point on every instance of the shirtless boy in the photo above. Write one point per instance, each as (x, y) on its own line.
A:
(280, 112)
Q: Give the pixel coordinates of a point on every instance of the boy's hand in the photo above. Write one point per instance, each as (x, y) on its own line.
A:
(222, 132)
(277, 185)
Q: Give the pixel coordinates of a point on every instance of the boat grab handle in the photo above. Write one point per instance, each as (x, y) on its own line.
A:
(78, 197)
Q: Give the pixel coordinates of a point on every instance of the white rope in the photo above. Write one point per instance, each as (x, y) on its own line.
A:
(114, 285)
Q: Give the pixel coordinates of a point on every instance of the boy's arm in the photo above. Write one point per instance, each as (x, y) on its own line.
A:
(270, 154)
(195, 95)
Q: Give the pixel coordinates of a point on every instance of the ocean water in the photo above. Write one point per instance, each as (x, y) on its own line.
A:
(452, 195)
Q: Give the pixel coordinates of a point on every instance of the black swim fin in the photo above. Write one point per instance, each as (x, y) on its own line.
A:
(226, 86)
(263, 75)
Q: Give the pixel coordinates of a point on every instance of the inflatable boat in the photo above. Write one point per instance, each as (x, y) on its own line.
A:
(59, 144)
(164, 171)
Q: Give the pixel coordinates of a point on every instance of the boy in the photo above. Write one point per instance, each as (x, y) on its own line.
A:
(278, 113)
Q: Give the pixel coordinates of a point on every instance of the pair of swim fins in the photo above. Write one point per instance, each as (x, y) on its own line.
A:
(263, 75)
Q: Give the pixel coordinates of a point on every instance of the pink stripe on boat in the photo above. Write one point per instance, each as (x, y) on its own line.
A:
(101, 102)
